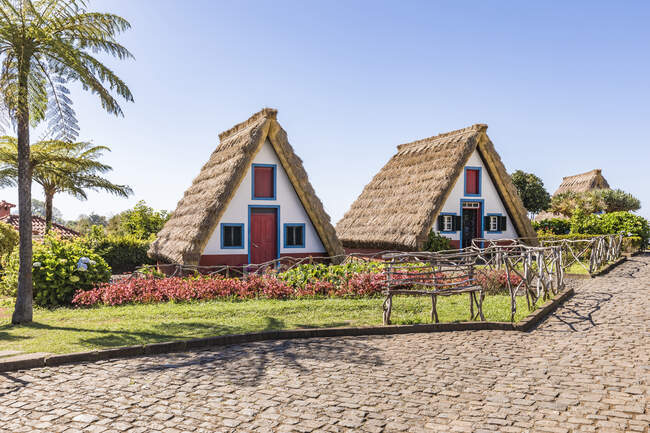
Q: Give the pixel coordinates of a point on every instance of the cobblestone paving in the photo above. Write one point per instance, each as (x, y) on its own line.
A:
(584, 369)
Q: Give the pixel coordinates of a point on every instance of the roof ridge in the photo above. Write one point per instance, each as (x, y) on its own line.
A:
(478, 127)
(594, 171)
(267, 113)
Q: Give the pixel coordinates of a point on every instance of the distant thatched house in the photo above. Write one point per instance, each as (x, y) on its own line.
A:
(453, 183)
(252, 202)
(583, 182)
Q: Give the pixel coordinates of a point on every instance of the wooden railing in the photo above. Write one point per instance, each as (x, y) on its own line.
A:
(535, 271)
(591, 253)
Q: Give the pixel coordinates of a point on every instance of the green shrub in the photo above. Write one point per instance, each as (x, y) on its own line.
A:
(437, 242)
(335, 274)
(8, 240)
(612, 223)
(557, 226)
(142, 221)
(60, 268)
(571, 236)
(9, 281)
(632, 244)
(122, 253)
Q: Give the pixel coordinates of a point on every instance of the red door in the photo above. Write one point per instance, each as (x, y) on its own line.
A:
(264, 235)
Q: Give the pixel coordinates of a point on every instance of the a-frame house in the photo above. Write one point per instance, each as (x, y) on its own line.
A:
(251, 203)
(452, 183)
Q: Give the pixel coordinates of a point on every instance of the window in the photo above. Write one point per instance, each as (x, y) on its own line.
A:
(232, 236)
(472, 181)
(294, 236)
(448, 223)
(495, 223)
(263, 182)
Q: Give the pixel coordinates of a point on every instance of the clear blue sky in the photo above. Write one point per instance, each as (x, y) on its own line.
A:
(563, 86)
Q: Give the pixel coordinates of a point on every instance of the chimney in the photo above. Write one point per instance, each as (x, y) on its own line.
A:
(5, 208)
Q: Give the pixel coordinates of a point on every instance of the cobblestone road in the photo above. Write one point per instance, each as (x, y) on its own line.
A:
(586, 368)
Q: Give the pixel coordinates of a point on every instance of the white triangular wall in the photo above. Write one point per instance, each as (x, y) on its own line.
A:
(492, 203)
(291, 210)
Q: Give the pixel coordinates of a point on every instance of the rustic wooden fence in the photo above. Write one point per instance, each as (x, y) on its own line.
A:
(281, 264)
(591, 254)
(536, 272)
(533, 272)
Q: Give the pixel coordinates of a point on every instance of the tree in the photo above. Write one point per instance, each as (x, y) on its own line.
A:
(142, 221)
(531, 191)
(85, 223)
(568, 203)
(44, 44)
(38, 208)
(617, 200)
(594, 201)
(60, 167)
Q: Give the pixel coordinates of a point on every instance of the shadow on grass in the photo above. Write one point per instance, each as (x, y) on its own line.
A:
(7, 337)
(166, 331)
(322, 325)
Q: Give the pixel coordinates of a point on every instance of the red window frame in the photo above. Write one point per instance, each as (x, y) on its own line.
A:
(264, 182)
(472, 181)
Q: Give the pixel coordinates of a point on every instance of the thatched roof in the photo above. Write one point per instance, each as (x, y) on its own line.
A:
(398, 207)
(583, 182)
(185, 235)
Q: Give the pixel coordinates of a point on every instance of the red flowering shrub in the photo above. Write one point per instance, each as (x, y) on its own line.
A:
(494, 281)
(146, 290)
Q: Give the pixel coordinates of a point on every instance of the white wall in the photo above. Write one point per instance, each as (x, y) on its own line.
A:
(492, 201)
(291, 210)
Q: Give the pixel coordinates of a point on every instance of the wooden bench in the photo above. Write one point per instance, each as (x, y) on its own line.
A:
(433, 274)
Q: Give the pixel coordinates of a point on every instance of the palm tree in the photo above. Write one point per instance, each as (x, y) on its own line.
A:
(60, 167)
(43, 45)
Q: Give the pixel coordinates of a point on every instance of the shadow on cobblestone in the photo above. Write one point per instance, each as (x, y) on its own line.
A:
(633, 266)
(578, 315)
(11, 384)
(248, 365)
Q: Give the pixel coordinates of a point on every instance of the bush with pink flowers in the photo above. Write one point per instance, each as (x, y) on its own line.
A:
(495, 281)
(146, 290)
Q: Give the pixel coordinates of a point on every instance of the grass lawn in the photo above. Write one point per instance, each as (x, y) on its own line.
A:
(66, 330)
(577, 268)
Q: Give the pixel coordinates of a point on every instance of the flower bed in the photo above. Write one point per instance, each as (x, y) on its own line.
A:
(145, 290)
(269, 286)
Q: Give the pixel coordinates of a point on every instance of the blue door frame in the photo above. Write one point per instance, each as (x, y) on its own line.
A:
(476, 200)
(277, 224)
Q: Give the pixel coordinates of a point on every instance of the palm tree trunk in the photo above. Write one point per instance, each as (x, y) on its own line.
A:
(49, 198)
(23, 310)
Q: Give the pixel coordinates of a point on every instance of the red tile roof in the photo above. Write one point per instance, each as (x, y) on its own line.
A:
(38, 226)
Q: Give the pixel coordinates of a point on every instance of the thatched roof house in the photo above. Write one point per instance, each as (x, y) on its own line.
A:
(251, 202)
(583, 182)
(454, 183)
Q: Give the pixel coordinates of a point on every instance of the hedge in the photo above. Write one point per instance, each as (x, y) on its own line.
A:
(122, 253)
(630, 243)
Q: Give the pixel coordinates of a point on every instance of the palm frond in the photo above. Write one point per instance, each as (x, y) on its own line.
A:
(60, 38)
